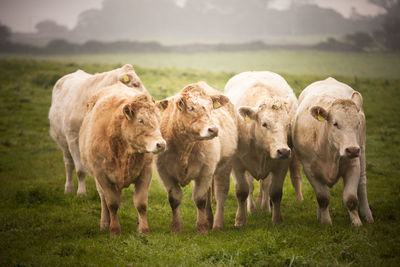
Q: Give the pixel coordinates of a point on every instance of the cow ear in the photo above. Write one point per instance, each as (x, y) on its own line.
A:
(125, 78)
(357, 99)
(128, 112)
(247, 113)
(162, 104)
(180, 103)
(219, 101)
(319, 113)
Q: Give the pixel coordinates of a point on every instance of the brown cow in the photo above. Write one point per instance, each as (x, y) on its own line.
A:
(68, 107)
(119, 133)
(199, 125)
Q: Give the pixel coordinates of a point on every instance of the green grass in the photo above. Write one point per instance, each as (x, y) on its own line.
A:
(369, 65)
(39, 225)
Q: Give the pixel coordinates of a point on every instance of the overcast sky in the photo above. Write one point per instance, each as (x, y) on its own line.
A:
(23, 15)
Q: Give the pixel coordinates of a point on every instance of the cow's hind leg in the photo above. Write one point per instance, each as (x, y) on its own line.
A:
(251, 205)
(69, 169)
(265, 185)
(80, 170)
(365, 210)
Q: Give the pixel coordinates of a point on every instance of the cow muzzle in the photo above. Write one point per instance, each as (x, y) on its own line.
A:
(157, 147)
(352, 152)
(209, 132)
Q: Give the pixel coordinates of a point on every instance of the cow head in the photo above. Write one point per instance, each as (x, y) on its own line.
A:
(140, 126)
(128, 76)
(270, 122)
(193, 109)
(342, 123)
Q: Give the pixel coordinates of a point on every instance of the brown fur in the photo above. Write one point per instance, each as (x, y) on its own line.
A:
(113, 147)
(195, 153)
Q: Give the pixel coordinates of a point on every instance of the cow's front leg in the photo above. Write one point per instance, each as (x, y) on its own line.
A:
(141, 198)
(295, 176)
(221, 189)
(242, 192)
(351, 179)
(278, 177)
(201, 191)
(323, 196)
(112, 196)
(105, 214)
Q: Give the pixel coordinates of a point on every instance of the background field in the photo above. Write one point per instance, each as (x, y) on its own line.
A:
(41, 226)
(310, 62)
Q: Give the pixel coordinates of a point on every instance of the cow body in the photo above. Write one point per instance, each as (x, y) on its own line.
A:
(68, 107)
(118, 136)
(329, 139)
(199, 126)
(267, 105)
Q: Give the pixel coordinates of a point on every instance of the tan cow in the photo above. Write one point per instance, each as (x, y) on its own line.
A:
(68, 107)
(266, 105)
(199, 126)
(119, 133)
(329, 139)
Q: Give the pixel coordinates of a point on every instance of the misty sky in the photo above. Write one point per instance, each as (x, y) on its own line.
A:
(23, 15)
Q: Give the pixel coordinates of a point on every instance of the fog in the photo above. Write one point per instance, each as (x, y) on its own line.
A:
(185, 21)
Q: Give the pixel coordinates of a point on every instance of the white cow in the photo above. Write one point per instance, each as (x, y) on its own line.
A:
(329, 140)
(68, 107)
(266, 105)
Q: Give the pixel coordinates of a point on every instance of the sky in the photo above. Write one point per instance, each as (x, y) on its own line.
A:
(23, 15)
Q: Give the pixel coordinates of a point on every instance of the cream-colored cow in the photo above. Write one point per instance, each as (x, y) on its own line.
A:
(199, 126)
(266, 105)
(68, 107)
(329, 139)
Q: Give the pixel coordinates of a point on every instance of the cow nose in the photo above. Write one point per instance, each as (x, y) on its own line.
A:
(283, 153)
(160, 146)
(213, 131)
(352, 151)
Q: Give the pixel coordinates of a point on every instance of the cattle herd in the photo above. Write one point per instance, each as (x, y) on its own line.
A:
(109, 126)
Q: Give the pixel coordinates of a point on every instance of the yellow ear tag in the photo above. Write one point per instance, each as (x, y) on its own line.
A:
(247, 118)
(127, 117)
(320, 118)
(216, 104)
(126, 79)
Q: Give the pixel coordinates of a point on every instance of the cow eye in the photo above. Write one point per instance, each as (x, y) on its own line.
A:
(265, 125)
(140, 121)
(190, 108)
(336, 124)
(136, 84)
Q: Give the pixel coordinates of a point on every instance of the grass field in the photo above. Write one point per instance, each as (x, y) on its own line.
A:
(40, 226)
(367, 65)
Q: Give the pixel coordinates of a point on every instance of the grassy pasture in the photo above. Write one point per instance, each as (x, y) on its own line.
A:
(367, 65)
(40, 226)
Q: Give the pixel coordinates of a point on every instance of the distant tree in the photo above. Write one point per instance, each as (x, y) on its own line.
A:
(51, 27)
(5, 33)
(361, 40)
(391, 28)
(60, 46)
